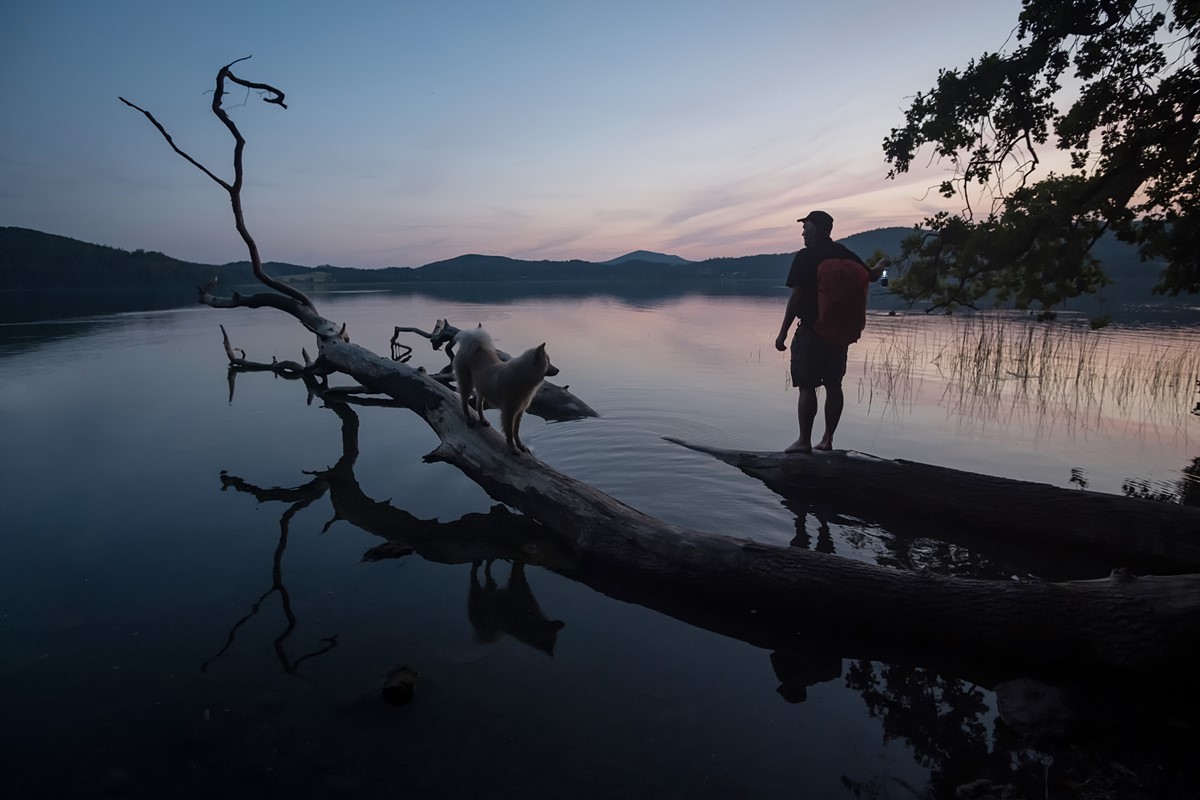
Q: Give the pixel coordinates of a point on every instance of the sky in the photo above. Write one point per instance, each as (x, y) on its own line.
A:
(419, 131)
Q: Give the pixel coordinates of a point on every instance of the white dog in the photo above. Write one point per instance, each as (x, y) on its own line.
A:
(507, 385)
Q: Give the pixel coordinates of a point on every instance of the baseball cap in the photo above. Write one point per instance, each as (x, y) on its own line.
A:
(820, 218)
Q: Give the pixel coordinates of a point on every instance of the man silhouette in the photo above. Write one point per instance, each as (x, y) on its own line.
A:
(815, 362)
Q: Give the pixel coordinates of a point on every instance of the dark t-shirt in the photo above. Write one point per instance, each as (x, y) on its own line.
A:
(803, 274)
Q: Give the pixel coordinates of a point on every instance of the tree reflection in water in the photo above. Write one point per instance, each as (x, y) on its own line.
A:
(1135, 742)
(942, 720)
(303, 496)
(1185, 491)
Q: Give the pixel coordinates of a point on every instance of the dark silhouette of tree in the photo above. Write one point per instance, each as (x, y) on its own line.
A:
(1130, 132)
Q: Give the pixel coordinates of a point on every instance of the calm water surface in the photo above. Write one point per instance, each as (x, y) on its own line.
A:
(185, 610)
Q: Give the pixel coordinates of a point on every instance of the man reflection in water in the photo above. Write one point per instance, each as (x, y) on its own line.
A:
(815, 362)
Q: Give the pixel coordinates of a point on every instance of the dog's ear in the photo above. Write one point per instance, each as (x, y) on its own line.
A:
(542, 347)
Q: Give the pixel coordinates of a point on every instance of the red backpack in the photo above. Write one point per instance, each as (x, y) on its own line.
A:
(841, 301)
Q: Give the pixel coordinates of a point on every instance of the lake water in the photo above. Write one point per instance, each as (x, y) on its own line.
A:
(185, 612)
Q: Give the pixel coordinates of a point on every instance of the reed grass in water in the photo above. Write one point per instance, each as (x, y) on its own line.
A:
(1007, 369)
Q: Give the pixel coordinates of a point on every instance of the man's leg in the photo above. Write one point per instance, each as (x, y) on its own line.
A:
(806, 414)
(834, 401)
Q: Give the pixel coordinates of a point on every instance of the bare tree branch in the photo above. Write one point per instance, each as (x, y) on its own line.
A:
(234, 189)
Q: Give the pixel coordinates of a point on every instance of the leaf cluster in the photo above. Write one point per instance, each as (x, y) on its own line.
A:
(1115, 85)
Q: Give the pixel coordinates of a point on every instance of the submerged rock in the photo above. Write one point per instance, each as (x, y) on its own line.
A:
(398, 685)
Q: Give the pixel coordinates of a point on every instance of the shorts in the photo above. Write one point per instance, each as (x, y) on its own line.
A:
(815, 363)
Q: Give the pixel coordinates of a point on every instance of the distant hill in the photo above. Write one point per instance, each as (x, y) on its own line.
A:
(500, 268)
(1129, 274)
(1131, 277)
(886, 240)
(649, 257)
(35, 261)
(32, 260)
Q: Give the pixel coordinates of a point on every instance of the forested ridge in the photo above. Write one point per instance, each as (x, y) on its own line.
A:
(31, 260)
(35, 261)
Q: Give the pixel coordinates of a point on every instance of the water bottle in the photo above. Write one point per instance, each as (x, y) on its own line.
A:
(883, 279)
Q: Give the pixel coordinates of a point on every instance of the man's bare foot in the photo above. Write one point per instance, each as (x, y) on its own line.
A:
(799, 446)
(824, 444)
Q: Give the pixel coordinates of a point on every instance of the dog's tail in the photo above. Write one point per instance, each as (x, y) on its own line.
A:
(469, 342)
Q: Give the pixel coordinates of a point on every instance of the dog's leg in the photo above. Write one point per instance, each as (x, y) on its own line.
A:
(464, 388)
(506, 425)
(513, 434)
(479, 409)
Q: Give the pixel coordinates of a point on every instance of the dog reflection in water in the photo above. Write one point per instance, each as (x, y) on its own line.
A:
(507, 385)
(512, 610)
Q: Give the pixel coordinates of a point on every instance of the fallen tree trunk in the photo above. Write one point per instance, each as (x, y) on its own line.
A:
(1166, 535)
(1120, 623)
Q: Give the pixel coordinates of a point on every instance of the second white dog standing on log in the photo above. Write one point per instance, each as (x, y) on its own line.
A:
(507, 385)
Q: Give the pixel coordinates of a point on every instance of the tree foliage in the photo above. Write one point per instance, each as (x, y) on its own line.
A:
(1114, 86)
